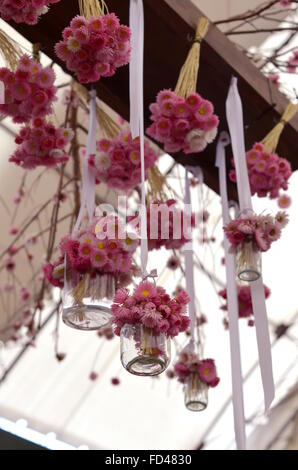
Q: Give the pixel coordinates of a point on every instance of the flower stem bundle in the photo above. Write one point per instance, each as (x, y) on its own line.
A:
(10, 51)
(89, 8)
(272, 139)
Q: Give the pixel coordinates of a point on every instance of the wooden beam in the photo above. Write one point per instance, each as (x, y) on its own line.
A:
(169, 29)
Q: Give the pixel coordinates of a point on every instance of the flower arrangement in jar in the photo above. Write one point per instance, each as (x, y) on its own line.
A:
(29, 91)
(146, 320)
(98, 260)
(118, 163)
(24, 11)
(41, 144)
(95, 44)
(249, 236)
(197, 376)
(244, 302)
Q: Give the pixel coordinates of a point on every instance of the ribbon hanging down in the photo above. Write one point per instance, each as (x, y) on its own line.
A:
(137, 110)
(232, 298)
(88, 183)
(235, 121)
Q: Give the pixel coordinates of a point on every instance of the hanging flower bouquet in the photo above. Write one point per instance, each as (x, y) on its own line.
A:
(250, 235)
(29, 92)
(95, 44)
(41, 144)
(244, 302)
(167, 225)
(24, 11)
(267, 172)
(145, 321)
(117, 161)
(197, 376)
(98, 260)
(182, 119)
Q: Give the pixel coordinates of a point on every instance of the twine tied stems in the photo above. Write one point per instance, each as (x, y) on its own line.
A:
(187, 81)
(89, 8)
(10, 51)
(272, 139)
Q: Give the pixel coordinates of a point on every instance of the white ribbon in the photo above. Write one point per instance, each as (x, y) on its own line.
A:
(88, 184)
(232, 299)
(189, 266)
(2, 93)
(235, 121)
(137, 110)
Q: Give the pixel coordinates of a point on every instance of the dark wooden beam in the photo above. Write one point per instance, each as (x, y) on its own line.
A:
(169, 29)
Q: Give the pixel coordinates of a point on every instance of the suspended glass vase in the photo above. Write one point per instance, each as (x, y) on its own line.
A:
(248, 262)
(195, 393)
(143, 352)
(87, 299)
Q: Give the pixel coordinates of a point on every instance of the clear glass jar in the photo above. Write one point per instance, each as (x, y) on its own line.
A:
(143, 352)
(195, 393)
(248, 262)
(87, 300)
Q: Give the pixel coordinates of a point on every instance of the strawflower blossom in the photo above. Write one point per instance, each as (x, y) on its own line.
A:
(167, 225)
(152, 307)
(94, 48)
(29, 92)
(187, 125)
(268, 173)
(24, 11)
(284, 201)
(261, 230)
(117, 161)
(244, 300)
(41, 144)
(190, 363)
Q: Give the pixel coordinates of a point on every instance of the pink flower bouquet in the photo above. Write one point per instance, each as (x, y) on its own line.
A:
(187, 125)
(167, 225)
(117, 161)
(24, 11)
(260, 230)
(268, 173)
(190, 363)
(94, 48)
(41, 144)
(29, 92)
(151, 306)
(244, 301)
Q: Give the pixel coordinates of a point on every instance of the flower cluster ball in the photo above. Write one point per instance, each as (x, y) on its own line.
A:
(190, 363)
(167, 225)
(54, 272)
(268, 173)
(94, 48)
(24, 11)
(117, 161)
(182, 124)
(244, 300)
(41, 144)
(261, 230)
(151, 306)
(29, 92)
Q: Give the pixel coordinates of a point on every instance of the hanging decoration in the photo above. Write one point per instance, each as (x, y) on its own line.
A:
(145, 321)
(235, 122)
(269, 173)
(41, 144)
(24, 11)
(95, 44)
(117, 161)
(244, 302)
(197, 376)
(182, 119)
(29, 91)
(249, 236)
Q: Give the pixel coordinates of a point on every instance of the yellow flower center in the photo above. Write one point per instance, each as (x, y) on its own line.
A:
(207, 371)
(86, 250)
(145, 292)
(203, 111)
(134, 156)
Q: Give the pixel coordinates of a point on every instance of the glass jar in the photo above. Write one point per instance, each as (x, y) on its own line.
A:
(248, 262)
(87, 300)
(195, 393)
(143, 352)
